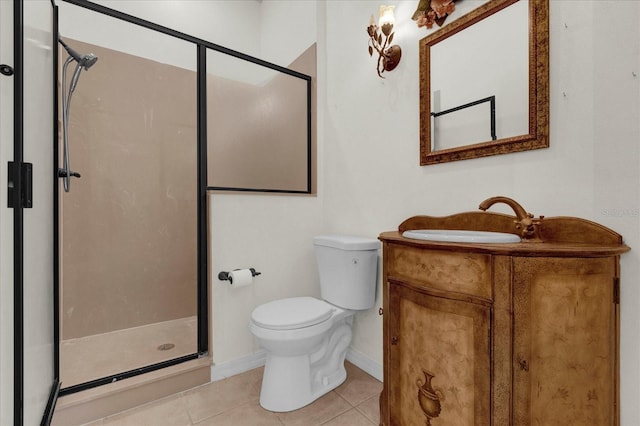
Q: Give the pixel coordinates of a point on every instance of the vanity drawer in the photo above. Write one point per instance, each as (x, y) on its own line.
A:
(468, 273)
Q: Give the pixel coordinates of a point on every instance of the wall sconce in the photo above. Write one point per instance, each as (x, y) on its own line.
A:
(388, 56)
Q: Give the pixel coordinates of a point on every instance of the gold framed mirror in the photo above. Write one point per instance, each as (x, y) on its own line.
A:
(497, 105)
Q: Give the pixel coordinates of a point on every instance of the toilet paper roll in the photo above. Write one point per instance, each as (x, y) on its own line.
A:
(240, 277)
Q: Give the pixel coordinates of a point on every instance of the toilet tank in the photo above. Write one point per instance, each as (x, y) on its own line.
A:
(348, 269)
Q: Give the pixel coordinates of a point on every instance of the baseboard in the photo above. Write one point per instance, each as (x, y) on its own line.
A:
(365, 363)
(226, 369)
(249, 362)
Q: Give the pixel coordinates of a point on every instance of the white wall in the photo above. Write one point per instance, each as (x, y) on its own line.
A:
(231, 24)
(287, 29)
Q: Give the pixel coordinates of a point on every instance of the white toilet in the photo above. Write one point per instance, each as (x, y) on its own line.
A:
(306, 339)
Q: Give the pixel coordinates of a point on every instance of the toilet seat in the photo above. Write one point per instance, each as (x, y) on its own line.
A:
(292, 313)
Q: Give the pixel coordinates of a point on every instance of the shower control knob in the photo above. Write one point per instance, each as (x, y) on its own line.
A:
(63, 173)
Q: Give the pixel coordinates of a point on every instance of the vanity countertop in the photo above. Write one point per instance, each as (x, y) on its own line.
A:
(561, 236)
(524, 248)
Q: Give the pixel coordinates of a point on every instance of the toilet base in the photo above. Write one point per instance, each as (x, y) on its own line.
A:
(291, 382)
(286, 384)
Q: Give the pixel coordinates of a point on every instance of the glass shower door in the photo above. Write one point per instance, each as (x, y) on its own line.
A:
(129, 224)
(35, 371)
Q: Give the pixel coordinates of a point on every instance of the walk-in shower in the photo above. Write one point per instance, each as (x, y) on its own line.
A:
(82, 62)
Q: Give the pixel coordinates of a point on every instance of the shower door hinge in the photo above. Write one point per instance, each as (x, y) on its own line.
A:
(24, 199)
(6, 70)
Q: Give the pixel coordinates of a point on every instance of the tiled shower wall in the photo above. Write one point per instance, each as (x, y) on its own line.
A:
(128, 226)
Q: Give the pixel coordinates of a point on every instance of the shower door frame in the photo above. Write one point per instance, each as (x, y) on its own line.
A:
(202, 292)
(19, 197)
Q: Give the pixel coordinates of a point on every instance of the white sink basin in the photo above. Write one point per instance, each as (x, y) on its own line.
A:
(461, 236)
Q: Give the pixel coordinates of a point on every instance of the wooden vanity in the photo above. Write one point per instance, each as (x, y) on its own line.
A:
(502, 334)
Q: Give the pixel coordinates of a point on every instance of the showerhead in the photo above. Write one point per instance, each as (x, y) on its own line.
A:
(85, 61)
(88, 60)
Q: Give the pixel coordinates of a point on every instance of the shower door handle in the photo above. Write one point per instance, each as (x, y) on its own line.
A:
(66, 176)
(24, 174)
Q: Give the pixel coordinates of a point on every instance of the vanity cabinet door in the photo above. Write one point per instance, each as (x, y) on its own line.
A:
(439, 358)
(565, 341)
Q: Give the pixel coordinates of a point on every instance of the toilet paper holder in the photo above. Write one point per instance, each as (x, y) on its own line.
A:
(224, 276)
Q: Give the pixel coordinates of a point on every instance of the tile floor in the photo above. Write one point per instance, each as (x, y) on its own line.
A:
(234, 402)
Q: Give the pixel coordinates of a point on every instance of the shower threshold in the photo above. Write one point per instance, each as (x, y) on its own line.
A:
(102, 401)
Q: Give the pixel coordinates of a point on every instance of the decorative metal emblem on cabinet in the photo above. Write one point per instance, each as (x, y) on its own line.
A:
(429, 397)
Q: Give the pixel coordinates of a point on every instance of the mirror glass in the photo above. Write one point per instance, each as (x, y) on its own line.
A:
(480, 92)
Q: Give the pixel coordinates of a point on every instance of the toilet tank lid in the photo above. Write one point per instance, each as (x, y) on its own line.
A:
(347, 242)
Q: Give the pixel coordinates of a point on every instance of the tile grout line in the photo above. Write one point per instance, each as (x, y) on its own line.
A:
(361, 411)
(351, 407)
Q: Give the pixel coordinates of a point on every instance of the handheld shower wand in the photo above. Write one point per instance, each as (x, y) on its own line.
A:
(82, 62)
(85, 61)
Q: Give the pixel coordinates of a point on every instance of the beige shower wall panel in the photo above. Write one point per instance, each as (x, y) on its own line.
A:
(129, 253)
(257, 134)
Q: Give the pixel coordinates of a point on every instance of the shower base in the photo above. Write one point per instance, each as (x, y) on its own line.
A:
(93, 357)
(110, 353)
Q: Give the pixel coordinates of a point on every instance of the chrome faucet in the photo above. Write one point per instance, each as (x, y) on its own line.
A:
(525, 224)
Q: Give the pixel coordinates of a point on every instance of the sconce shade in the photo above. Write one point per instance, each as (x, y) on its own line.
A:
(386, 19)
(386, 15)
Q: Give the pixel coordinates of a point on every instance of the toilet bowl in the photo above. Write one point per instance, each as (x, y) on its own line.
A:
(304, 361)
(307, 339)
